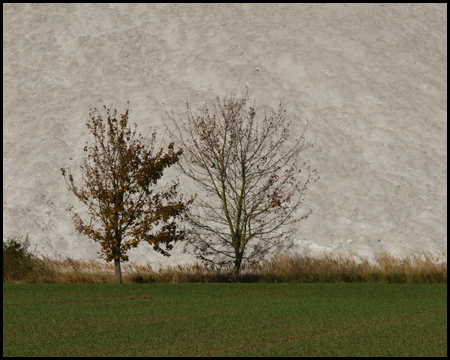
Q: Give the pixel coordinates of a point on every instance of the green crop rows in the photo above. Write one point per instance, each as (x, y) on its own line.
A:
(225, 320)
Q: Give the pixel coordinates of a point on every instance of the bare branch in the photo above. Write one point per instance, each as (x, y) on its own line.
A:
(250, 177)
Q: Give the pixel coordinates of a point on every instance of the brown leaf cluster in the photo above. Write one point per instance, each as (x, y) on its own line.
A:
(119, 176)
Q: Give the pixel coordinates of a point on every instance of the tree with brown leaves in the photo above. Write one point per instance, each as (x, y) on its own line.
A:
(119, 174)
(250, 177)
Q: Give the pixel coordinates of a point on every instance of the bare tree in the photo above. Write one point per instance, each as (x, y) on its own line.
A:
(119, 172)
(250, 177)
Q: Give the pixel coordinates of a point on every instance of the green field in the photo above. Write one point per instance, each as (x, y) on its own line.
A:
(225, 320)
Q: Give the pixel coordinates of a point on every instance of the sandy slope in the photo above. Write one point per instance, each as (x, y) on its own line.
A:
(370, 79)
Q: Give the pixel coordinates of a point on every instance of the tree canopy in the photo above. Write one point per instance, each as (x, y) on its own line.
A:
(119, 176)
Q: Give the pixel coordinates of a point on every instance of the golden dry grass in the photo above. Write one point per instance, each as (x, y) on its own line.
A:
(385, 268)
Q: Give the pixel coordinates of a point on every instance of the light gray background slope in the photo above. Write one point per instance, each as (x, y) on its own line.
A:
(370, 79)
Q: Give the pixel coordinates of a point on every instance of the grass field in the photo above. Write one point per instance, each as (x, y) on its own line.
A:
(225, 320)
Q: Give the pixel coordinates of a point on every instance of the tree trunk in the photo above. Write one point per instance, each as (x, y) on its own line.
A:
(118, 272)
(237, 267)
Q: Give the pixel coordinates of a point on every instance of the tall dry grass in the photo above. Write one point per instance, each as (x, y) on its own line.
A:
(385, 268)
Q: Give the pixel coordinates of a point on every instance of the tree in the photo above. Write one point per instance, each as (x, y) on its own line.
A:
(119, 173)
(249, 176)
